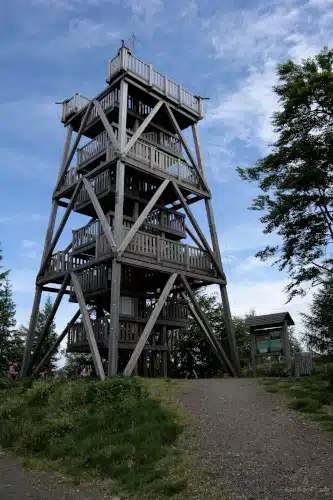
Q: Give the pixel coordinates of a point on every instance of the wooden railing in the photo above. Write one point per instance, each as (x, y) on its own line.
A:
(93, 279)
(168, 220)
(71, 178)
(100, 184)
(106, 103)
(163, 139)
(77, 336)
(126, 61)
(73, 105)
(163, 249)
(85, 235)
(62, 261)
(143, 151)
(93, 148)
(172, 310)
(154, 157)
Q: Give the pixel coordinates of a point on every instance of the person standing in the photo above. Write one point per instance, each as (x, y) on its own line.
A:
(189, 364)
(12, 371)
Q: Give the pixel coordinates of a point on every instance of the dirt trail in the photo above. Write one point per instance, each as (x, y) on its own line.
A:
(254, 446)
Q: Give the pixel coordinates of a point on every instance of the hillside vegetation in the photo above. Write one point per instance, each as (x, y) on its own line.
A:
(89, 429)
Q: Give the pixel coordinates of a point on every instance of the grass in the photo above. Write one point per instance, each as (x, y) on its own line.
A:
(311, 395)
(113, 430)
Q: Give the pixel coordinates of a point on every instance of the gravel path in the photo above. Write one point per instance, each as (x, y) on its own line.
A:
(19, 484)
(254, 446)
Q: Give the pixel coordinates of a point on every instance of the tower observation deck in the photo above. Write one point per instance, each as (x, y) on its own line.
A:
(128, 268)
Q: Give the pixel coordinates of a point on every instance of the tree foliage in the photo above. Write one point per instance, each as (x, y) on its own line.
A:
(7, 319)
(318, 324)
(296, 178)
(192, 339)
(50, 338)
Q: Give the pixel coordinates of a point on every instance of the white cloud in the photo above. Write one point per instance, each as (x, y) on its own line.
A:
(249, 265)
(266, 298)
(28, 244)
(23, 280)
(21, 218)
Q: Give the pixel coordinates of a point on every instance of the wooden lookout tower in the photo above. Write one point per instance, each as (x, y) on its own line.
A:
(135, 178)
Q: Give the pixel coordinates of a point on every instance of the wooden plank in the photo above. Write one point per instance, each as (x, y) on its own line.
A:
(56, 290)
(138, 223)
(56, 344)
(62, 204)
(107, 126)
(60, 228)
(207, 325)
(142, 128)
(186, 147)
(150, 325)
(88, 327)
(100, 214)
(114, 318)
(49, 319)
(74, 147)
(198, 230)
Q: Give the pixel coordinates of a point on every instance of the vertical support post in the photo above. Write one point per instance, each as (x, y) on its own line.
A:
(47, 243)
(165, 353)
(286, 347)
(118, 234)
(216, 248)
(253, 353)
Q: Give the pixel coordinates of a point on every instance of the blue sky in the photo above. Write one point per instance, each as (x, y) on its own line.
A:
(52, 48)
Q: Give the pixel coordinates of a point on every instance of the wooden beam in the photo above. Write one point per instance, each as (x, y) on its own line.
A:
(205, 321)
(142, 128)
(62, 204)
(186, 147)
(56, 344)
(100, 214)
(216, 247)
(138, 223)
(197, 228)
(114, 318)
(60, 228)
(107, 126)
(31, 332)
(88, 327)
(56, 290)
(49, 319)
(65, 153)
(194, 238)
(150, 325)
(118, 232)
(75, 145)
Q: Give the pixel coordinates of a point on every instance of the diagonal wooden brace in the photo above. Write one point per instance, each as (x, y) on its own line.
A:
(150, 325)
(49, 320)
(73, 150)
(142, 128)
(60, 229)
(107, 126)
(138, 223)
(194, 238)
(204, 320)
(56, 344)
(198, 230)
(88, 327)
(100, 214)
(186, 147)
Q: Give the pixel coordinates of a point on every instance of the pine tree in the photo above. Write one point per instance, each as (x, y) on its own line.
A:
(7, 319)
(50, 338)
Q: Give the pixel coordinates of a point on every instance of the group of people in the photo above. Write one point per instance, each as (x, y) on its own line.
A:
(13, 371)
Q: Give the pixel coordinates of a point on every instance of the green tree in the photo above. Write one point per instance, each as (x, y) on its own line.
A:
(50, 338)
(7, 318)
(192, 338)
(296, 178)
(318, 323)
